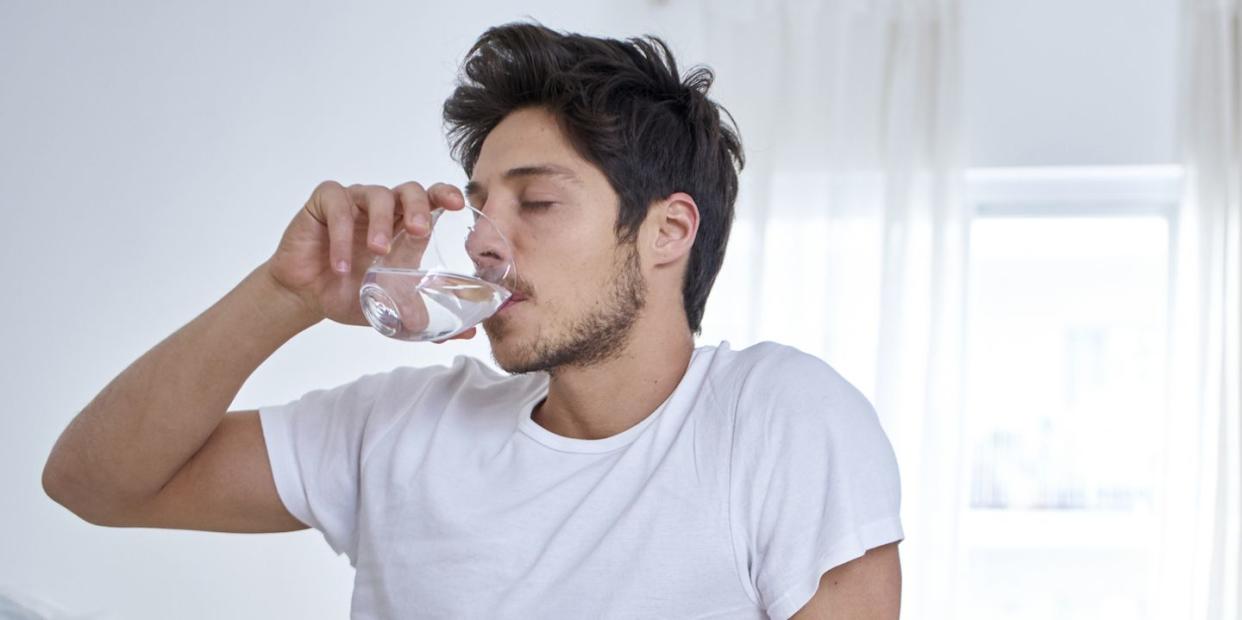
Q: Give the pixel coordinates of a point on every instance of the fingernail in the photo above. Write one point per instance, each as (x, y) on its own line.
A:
(421, 222)
(380, 241)
(342, 266)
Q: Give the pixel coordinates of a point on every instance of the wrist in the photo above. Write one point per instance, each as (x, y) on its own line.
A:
(280, 304)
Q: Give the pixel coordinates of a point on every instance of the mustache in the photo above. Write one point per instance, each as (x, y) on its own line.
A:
(518, 288)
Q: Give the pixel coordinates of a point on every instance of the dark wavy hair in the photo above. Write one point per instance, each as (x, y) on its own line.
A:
(624, 108)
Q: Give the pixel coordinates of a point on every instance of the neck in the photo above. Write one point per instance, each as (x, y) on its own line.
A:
(607, 398)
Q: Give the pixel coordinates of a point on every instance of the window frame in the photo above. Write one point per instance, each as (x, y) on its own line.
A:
(1063, 191)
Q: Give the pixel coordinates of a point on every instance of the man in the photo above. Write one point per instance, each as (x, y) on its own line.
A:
(616, 471)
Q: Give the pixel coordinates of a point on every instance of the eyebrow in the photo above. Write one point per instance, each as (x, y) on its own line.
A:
(474, 188)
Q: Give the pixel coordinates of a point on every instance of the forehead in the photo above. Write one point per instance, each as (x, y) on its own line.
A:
(528, 142)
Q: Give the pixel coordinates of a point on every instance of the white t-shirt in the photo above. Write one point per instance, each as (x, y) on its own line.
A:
(762, 470)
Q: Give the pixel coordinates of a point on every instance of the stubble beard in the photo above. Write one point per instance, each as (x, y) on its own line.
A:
(589, 340)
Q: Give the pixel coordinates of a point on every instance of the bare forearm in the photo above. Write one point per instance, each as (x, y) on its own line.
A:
(137, 433)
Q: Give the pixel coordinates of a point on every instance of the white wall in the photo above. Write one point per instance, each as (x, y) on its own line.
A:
(150, 156)
(1065, 82)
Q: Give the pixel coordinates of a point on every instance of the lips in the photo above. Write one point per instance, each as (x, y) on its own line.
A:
(512, 300)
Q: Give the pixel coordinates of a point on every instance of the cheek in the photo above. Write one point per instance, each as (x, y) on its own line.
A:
(567, 279)
(564, 259)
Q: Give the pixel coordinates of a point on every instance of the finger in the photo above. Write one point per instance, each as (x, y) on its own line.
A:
(413, 202)
(466, 335)
(446, 196)
(378, 202)
(338, 210)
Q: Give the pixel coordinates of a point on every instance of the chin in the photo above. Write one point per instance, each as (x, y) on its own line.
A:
(511, 360)
(507, 352)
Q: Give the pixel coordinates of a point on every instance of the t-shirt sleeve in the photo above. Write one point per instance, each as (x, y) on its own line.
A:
(315, 447)
(814, 480)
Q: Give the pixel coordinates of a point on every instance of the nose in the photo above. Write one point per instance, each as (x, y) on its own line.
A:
(490, 250)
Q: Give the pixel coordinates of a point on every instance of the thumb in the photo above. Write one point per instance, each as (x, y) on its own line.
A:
(466, 335)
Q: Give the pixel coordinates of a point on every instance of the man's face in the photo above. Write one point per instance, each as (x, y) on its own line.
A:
(583, 291)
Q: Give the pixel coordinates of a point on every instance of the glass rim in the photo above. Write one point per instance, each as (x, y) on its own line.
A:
(510, 273)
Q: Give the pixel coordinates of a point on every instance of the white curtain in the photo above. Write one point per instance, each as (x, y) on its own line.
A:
(1204, 435)
(850, 238)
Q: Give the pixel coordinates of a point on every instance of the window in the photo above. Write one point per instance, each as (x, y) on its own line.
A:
(1067, 314)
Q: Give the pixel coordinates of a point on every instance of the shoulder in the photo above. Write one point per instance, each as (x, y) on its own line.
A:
(464, 399)
(782, 390)
(463, 373)
(777, 373)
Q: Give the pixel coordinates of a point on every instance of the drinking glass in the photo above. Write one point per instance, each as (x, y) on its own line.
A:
(437, 286)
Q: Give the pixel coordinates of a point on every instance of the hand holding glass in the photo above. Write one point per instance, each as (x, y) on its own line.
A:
(438, 286)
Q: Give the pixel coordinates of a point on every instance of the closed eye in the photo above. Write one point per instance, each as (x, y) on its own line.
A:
(538, 206)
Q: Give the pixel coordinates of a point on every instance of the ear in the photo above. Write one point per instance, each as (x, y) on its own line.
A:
(674, 222)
